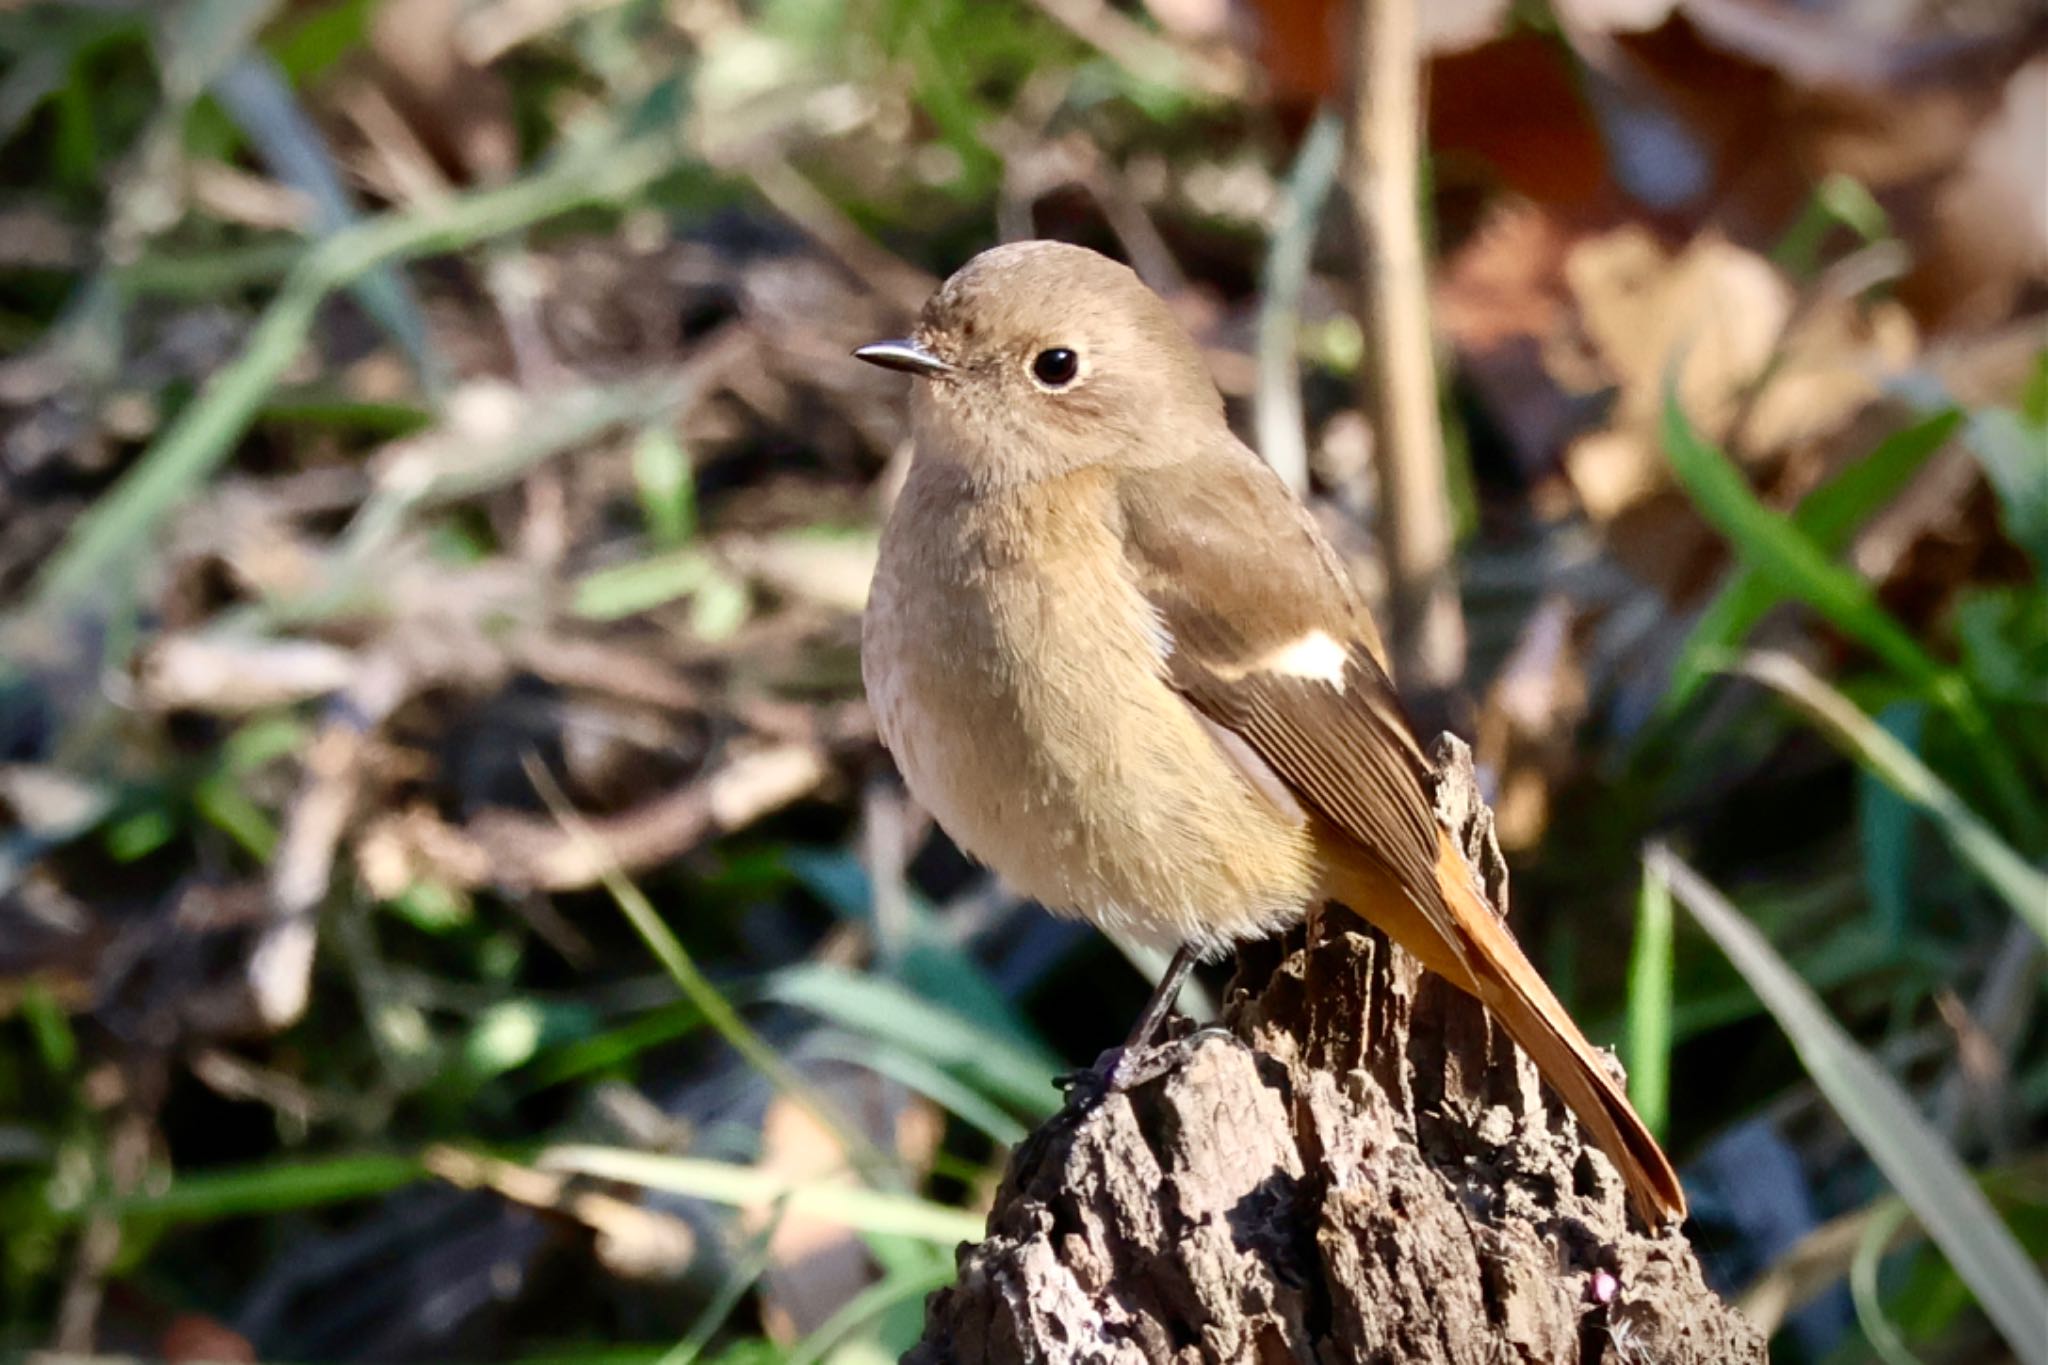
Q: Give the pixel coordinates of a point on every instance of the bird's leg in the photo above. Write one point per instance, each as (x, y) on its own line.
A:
(1123, 1067)
(1163, 997)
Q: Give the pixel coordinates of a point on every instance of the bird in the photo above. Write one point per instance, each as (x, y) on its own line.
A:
(1113, 656)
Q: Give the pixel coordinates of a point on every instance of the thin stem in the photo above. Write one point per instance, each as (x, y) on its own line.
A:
(1427, 623)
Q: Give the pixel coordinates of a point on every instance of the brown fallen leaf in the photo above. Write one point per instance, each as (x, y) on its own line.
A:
(460, 110)
(817, 1265)
(633, 1241)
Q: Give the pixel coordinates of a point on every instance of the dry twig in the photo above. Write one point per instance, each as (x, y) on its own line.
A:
(1427, 627)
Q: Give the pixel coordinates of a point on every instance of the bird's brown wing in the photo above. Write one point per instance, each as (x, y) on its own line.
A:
(1266, 639)
(1270, 641)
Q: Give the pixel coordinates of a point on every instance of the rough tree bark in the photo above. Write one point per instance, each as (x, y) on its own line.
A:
(1364, 1169)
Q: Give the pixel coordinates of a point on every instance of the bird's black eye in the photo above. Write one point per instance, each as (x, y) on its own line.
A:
(1056, 368)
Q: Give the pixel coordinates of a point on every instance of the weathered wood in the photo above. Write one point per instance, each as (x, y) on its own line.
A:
(1364, 1169)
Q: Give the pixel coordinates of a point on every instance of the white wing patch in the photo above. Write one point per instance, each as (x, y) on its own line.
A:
(1158, 634)
(1316, 656)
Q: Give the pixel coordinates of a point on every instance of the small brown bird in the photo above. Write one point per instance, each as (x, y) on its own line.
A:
(1115, 659)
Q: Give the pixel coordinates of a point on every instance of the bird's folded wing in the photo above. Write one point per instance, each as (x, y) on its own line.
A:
(1266, 637)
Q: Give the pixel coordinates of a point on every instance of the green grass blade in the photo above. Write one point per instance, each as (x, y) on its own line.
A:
(2003, 633)
(1648, 1040)
(926, 1078)
(1786, 556)
(1905, 1147)
(1837, 202)
(1276, 405)
(1829, 517)
(744, 1274)
(667, 485)
(1878, 1330)
(1770, 544)
(1886, 827)
(2023, 886)
(1017, 1075)
(923, 958)
(611, 1048)
(109, 538)
(197, 42)
(706, 998)
(722, 1182)
(2014, 454)
(311, 405)
(629, 589)
(256, 95)
(868, 1305)
(275, 1187)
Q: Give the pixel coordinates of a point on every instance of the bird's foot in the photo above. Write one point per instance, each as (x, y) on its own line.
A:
(1130, 1065)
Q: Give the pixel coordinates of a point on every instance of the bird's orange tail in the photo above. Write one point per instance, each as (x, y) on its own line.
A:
(1461, 939)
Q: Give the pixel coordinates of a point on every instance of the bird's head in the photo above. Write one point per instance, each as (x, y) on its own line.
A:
(1038, 358)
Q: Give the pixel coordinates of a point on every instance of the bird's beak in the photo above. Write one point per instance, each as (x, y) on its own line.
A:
(906, 356)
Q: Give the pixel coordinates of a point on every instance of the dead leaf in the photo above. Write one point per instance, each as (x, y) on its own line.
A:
(632, 1240)
(1613, 16)
(461, 111)
(815, 1265)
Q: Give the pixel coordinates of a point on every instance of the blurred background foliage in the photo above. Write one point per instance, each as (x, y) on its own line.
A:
(452, 904)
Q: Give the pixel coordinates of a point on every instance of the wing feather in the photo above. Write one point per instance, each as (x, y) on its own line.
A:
(1240, 576)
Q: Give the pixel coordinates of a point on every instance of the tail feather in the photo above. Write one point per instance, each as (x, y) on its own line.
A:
(1538, 1022)
(1460, 938)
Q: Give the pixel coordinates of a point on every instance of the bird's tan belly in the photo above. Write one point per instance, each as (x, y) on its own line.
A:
(1080, 777)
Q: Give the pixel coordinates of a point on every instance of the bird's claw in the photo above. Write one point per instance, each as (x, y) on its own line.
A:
(1129, 1066)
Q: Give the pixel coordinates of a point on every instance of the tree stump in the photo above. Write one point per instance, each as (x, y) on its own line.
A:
(1365, 1168)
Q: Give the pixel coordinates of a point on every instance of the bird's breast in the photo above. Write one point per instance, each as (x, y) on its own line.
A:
(1016, 674)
